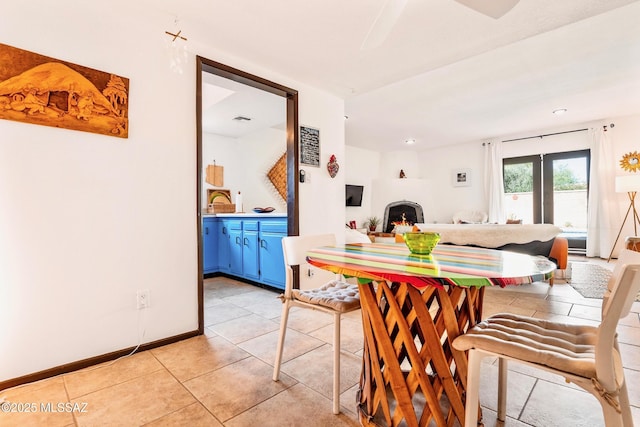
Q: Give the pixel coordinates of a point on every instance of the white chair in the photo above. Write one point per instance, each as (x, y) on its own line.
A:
(336, 297)
(585, 355)
(472, 217)
(354, 236)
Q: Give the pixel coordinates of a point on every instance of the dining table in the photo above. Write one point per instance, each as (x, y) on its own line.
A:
(413, 307)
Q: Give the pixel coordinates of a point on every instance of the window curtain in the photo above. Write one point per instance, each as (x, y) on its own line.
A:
(493, 182)
(603, 210)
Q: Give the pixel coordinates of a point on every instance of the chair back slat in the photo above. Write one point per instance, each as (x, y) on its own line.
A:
(295, 250)
(626, 257)
(296, 247)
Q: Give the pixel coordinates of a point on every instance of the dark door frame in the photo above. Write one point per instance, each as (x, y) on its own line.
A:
(291, 96)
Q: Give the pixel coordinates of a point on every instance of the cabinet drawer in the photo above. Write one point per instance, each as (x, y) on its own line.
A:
(235, 225)
(273, 227)
(250, 226)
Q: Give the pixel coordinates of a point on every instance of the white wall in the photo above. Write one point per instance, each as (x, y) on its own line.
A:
(86, 219)
(246, 162)
(362, 168)
(436, 166)
(379, 173)
(322, 197)
(625, 137)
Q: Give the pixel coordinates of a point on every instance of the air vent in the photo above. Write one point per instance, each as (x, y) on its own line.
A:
(242, 119)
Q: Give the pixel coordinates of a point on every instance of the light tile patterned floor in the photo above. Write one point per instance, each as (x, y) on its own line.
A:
(224, 377)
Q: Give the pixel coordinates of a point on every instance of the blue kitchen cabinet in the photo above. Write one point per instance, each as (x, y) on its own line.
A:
(209, 245)
(250, 267)
(223, 246)
(235, 247)
(272, 271)
(245, 247)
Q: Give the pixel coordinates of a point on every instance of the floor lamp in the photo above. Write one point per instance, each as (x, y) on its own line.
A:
(629, 184)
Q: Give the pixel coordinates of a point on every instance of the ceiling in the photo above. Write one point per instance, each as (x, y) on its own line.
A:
(234, 109)
(446, 74)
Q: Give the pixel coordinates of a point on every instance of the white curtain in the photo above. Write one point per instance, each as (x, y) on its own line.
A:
(493, 182)
(603, 209)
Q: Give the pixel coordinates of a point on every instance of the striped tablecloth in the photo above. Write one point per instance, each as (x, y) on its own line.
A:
(458, 265)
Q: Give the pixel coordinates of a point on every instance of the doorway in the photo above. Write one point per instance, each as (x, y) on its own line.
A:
(552, 189)
(204, 66)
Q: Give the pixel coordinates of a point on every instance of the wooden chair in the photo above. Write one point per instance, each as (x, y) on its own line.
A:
(335, 297)
(585, 355)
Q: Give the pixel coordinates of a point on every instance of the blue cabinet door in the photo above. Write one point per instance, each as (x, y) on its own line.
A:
(223, 246)
(272, 270)
(250, 268)
(209, 245)
(235, 247)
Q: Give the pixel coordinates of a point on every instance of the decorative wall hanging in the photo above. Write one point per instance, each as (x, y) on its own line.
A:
(177, 49)
(630, 162)
(215, 175)
(309, 146)
(333, 166)
(45, 91)
(278, 176)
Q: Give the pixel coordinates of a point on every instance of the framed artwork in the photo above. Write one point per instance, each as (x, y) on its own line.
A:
(45, 91)
(461, 177)
(309, 146)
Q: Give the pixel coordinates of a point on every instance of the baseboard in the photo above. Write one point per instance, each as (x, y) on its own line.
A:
(81, 364)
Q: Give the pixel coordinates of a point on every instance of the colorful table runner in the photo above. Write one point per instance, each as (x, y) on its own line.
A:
(457, 265)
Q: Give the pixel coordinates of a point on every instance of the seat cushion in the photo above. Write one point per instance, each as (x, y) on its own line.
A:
(560, 346)
(336, 295)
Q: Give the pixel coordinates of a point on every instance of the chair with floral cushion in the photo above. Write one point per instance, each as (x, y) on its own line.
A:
(336, 298)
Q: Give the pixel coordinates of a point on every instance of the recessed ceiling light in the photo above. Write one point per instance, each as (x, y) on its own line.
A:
(410, 141)
(559, 111)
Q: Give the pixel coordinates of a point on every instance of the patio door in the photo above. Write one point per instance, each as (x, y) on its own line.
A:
(550, 188)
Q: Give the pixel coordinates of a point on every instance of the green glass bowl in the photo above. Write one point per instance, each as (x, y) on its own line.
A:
(421, 243)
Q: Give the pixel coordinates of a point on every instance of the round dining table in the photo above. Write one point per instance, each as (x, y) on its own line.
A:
(413, 307)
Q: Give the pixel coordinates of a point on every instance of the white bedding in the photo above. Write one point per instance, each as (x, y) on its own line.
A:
(492, 235)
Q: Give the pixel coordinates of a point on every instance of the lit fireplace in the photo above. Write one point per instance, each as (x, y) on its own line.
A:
(399, 212)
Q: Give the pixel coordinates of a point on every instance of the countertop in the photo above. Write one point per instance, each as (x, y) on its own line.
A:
(246, 215)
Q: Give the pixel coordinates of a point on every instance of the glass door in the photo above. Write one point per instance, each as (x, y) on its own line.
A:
(566, 195)
(551, 189)
(522, 189)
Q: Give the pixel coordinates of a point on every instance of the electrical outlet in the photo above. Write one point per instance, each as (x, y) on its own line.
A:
(143, 299)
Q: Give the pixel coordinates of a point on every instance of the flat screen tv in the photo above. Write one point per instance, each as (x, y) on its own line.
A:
(353, 195)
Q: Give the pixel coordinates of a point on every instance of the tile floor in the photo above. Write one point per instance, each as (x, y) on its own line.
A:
(224, 377)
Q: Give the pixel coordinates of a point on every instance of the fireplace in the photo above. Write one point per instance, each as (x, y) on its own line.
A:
(406, 211)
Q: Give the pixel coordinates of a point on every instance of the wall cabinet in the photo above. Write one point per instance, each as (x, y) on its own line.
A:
(248, 248)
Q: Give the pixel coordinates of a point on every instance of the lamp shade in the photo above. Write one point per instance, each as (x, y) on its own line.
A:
(627, 183)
